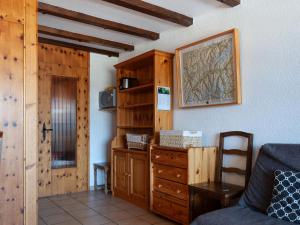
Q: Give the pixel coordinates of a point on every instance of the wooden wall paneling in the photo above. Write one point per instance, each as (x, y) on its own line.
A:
(60, 61)
(31, 113)
(11, 122)
(18, 104)
(83, 129)
(78, 47)
(163, 67)
(13, 10)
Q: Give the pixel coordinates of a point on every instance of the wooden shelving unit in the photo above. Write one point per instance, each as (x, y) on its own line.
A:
(137, 113)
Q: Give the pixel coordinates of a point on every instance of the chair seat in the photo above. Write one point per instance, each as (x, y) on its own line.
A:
(219, 190)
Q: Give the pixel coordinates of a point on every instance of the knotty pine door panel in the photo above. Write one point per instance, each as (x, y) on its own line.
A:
(66, 63)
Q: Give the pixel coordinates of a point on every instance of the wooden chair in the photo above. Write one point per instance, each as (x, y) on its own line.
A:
(218, 190)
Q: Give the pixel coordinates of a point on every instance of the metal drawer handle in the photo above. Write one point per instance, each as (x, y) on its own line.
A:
(178, 175)
(178, 191)
(157, 156)
(160, 186)
(160, 171)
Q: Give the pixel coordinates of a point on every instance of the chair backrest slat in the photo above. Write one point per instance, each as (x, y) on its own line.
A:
(234, 152)
(234, 170)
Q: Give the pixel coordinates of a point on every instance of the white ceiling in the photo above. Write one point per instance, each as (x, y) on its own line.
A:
(101, 9)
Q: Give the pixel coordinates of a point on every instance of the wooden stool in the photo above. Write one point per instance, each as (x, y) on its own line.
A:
(105, 167)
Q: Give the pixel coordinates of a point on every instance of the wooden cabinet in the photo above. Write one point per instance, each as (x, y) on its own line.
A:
(139, 178)
(131, 176)
(172, 170)
(138, 113)
(120, 173)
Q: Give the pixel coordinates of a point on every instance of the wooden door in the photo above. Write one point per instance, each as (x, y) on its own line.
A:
(138, 178)
(63, 120)
(18, 110)
(120, 176)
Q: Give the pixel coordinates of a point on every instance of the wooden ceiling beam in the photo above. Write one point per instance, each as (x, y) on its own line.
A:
(83, 38)
(77, 47)
(154, 10)
(231, 3)
(95, 21)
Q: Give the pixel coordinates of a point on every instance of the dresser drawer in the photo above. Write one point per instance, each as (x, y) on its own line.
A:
(171, 158)
(174, 211)
(174, 189)
(170, 173)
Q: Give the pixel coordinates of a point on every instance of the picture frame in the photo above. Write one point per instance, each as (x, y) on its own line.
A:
(208, 71)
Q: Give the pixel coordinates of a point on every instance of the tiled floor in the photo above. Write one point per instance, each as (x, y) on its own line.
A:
(93, 208)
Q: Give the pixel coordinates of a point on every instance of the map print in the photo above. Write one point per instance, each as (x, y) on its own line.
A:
(208, 74)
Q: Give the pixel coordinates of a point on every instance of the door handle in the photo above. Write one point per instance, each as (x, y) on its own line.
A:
(45, 130)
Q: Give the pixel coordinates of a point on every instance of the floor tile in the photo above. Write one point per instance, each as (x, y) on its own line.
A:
(74, 207)
(152, 219)
(106, 209)
(46, 205)
(83, 213)
(132, 221)
(124, 205)
(41, 222)
(50, 211)
(58, 218)
(94, 208)
(95, 220)
(59, 198)
(69, 201)
(99, 203)
(117, 215)
(136, 211)
(70, 222)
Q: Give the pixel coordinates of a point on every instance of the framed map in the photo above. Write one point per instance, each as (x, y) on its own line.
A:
(208, 71)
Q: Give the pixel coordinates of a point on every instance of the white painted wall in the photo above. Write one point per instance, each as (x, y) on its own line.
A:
(102, 123)
(270, 71)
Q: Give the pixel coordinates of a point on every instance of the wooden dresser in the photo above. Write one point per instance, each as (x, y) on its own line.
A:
(172, 170)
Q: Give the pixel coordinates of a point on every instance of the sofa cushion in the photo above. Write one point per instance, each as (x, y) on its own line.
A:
(285, 203)
(236, 216)
(271, 157)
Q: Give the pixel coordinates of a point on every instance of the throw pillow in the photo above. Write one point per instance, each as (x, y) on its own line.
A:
(285, 203)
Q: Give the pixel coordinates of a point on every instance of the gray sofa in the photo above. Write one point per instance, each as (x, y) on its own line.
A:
(252, 206)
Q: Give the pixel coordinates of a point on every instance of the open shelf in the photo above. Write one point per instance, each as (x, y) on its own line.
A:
(136, 126)
(138, 105)
(138, 88)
